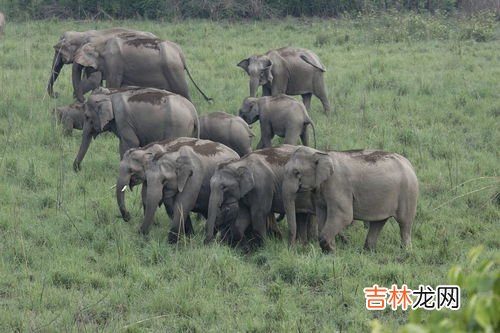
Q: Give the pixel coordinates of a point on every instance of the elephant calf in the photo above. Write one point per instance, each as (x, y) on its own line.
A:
(280, 115)
(182, 179)
(137, 116)
(71, 116)
(365, 185)
(227, 129)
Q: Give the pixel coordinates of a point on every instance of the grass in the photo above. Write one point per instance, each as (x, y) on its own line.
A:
(420, 86)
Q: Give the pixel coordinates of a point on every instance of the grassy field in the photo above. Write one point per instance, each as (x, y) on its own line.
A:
(424, 87)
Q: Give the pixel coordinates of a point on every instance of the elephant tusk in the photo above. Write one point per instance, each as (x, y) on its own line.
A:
(124, 188)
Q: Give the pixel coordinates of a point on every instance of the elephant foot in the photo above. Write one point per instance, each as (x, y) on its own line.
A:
(369, 247)
(173, 237)
(125, 216)
(208, 240)
(343, 238)
(143, 231)
(326, 247)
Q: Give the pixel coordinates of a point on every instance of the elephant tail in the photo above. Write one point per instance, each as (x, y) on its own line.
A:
(208, 99)
(310, 122)
(319, 66)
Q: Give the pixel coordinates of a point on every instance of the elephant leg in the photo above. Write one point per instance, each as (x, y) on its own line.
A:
(312, 228)
(144, 195)
(128, 140)
(405, 231)
(302, 221)
(306, 99)
(240, 226)
(266, 90)
(183, 205)
(259, 225)
(373, 232)
(320, 218)
(266, 136)
(304, 136)
(188, 226)
(337, 219)
(67, 123)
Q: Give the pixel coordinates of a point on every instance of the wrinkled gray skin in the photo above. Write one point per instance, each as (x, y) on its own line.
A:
(2, 23)
(182, 179)
(70, 116)
(280, 115)
(288, 70)
(365, 185)
(137, 116)
(66, 48)
(144, 62)
(227, 129)
(248, 190)
(132, 169)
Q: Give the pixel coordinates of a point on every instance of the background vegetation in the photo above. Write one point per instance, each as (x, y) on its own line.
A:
(423, 86)
(230, 9)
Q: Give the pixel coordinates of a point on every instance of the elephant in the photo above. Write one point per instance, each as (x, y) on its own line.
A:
(366, 185)
(2, 23)
(66, 48)
(70, 116)
(288, 70)
(245, 192)
(132, 168)
(182, 179)
(137, 116)
(144, 62)
(280, 115)
(227, 129)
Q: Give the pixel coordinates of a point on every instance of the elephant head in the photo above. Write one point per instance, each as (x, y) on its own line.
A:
(306, 170)
(269, 69)
(227, 186)
(132, 172)
(65, 50)
(98, 118)
(250, 110)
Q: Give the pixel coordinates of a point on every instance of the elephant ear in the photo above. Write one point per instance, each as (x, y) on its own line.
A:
(279, 72)
(105, 113)
(184, 169)
(87, 56)
(267, 71)
(313, 62)
(244, 64)
(324, 167)
(246, 180)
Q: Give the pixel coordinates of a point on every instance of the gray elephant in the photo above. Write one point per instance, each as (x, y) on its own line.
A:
(227, 129)
(245, 192)
(288, 70)
(70, 116)
(280, 115)
(366, 185)
(182, 179)
(2, 23)
(137, 116)
(66, 48)
(145, 62)
(132, 168)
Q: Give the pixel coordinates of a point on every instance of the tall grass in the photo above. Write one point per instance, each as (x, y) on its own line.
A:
(409, 84)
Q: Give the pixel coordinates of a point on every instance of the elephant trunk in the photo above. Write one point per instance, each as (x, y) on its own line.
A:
(84, 146)
(153, 199)
(214, 205)
(57, 64)
(254, 85)
(121, 183)
(76, 78)
(290, 189)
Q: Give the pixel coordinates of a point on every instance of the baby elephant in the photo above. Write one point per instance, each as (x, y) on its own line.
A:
(280, 115)
(227, 129)
(71, 116)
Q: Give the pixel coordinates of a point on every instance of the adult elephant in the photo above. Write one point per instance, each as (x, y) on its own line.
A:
(246, 191)
(144, 62)
(65, 50)
(288, 70)
(182, 179)
(137, 116)
(365, 185)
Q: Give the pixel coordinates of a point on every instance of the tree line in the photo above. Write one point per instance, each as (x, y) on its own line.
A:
(228, 9)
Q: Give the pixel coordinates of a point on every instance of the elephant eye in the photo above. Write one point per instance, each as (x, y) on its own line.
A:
(296, 172)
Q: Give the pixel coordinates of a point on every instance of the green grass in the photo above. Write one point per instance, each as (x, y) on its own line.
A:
(420, 86)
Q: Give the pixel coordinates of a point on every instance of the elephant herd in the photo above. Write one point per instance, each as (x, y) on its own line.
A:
(205, 164)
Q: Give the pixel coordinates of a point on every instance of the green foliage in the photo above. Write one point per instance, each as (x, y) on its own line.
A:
(68, 263)
(479, 282)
